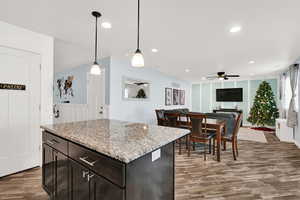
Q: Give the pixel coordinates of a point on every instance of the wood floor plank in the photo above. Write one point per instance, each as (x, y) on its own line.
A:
(262, 171)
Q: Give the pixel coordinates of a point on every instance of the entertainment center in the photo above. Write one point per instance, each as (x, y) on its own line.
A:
(229, 95)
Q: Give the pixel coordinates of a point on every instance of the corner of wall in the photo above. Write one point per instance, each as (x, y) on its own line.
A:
(27, 40)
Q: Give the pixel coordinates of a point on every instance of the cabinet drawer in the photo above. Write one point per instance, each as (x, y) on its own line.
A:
(111, 169)
(55, 142)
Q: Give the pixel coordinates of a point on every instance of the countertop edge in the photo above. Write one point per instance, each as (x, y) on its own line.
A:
(123, 160)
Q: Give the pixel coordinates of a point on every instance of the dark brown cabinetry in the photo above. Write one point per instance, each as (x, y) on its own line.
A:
(87, 185)
(74, 172)
(103, 189)
(48, 169)
(55, 173)
(61, 170)
(79, 186)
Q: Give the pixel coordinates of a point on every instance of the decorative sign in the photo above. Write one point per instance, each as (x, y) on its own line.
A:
(6, 86)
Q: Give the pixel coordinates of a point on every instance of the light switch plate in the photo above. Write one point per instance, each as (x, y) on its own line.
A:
(155, 155)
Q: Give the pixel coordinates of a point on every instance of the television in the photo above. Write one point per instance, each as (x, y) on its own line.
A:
(229, 95)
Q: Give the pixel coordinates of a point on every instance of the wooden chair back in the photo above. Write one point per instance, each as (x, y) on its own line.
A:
(198, 123)
(237, 125)
(160, 116)
(172, 119)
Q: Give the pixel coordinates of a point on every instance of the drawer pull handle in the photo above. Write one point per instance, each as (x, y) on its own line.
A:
(49, 142)
(55, 141)
(84, 159)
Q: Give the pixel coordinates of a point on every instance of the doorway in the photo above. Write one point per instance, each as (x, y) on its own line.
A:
(19, 111)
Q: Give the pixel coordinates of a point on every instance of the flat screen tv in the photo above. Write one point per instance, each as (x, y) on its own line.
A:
(229, 94)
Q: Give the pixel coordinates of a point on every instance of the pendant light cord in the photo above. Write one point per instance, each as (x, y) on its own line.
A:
(96, 40)
(138, 35)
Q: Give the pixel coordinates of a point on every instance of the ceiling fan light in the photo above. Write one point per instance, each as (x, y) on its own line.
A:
(138, 59)
(95, 69)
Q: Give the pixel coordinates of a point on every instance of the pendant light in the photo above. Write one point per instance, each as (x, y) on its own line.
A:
(138, 58)
(95, 69)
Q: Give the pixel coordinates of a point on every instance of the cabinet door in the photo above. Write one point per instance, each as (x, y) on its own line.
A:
(79, 185)
(61, 178)
(104, 190)
(48, 169)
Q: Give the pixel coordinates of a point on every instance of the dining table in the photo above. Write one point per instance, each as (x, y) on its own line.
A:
(216, 124)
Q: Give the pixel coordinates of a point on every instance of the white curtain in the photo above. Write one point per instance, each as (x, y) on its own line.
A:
(292, 119)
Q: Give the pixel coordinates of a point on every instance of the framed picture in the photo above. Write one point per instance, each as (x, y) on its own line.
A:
(168, 96)
(176, 97)
(182, 97)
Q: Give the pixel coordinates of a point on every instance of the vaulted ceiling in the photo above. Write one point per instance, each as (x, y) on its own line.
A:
(190, 34)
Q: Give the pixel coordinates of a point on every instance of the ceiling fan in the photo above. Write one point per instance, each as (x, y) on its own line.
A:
(221, 76)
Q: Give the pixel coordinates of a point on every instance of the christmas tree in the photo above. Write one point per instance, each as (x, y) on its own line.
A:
(264, 110)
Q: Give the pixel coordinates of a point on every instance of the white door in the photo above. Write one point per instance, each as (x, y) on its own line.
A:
(19, 111)
(96, 95)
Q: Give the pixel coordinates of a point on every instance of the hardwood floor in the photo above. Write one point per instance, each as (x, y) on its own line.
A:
(24, 185)
(262, 171)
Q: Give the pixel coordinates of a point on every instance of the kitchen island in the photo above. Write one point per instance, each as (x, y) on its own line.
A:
(109, 160)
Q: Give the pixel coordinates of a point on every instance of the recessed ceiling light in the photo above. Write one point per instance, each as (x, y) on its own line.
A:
(106, 25)
(235, 29)
(154, 50)
(187, 70)
(251, 62)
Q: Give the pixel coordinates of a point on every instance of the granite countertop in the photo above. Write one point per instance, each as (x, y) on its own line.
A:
(124, 141)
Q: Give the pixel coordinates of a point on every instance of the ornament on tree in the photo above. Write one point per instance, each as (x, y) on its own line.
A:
(264, 110)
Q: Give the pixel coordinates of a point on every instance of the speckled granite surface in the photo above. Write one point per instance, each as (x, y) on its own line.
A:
(124, 141)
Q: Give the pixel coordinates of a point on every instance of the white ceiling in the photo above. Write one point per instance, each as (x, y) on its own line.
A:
(190, 34)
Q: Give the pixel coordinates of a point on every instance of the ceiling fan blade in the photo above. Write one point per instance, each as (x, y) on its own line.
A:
(232, 75)
(212, 76)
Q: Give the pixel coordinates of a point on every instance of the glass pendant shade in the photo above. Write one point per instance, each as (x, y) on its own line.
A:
(95, 69)
(138, 59)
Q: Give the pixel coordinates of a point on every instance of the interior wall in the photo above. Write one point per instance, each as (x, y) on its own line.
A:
(79, 84)
(136, 110)
(204, 94)
(22, 39)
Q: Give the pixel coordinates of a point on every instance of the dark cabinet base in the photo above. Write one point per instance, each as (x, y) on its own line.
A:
(149, 180)
(150, 177)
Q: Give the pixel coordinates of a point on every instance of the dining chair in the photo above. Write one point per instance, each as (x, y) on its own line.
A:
(173, 120)
(160, 116)
(232, 137)
(199, 132)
